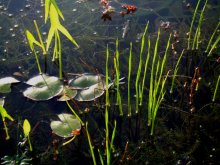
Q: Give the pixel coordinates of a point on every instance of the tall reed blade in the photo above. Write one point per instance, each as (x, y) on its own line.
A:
(192, 23)
(139, 69)
(90, 145)
(152, 77)
(129, 80)
(175, 71)
(117, 70)
(197, 33)
(145, 72)
(212, 37)
(107, 102)
(216, 89)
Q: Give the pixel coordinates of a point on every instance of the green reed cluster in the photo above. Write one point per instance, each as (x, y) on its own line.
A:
(117, 79)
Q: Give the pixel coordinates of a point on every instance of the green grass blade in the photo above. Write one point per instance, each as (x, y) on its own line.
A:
(214, 45)
(129, 80)
(90, 145)
(175, 71)
(212, 37)
(192, 22)
(216, 89)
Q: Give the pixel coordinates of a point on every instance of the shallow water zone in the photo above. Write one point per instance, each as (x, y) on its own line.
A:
(186, 127)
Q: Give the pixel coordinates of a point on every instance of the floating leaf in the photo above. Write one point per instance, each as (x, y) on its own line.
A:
(43, 87)
(91, 93)
(67, 94)
(26, 127)
(5, 84)
(85, 81)
(66, 125)
(90, 86)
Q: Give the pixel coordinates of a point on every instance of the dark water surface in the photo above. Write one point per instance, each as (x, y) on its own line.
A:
(83, 20)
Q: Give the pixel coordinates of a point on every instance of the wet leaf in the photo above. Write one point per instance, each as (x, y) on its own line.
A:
(5, 84)
(85, 81)
(91, 93)
(4, 114)
(26, 127)
(67, 94)
(66, 125)
(43, 87)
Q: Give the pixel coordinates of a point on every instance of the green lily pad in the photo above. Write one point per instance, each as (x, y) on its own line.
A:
(5, 84)
(66, 125)
(67, 94)
(43, 87)
(91, 93)
(85, 81)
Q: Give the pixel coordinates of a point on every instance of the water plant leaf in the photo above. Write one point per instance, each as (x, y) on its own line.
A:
(5, 84)
(26, 127)
(66, 125)
(90, 86)
(55, 26)
(67, 94)
(85, 81)
(32, 40)
(47, 7)
(91, 93)
(43, 87)
(4, 114)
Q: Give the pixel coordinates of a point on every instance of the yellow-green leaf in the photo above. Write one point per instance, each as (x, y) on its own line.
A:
(47, 7)
(67, 34)
(32, 40)
(57, 8)
(50, 37)
(54, 18)
(4, 114)
(26, 127)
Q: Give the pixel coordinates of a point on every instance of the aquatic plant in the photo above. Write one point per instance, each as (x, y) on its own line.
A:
(5, 115)
(192, 23)
(198, 33)
(43, 87)
(5, 84)
(53, 12)
(211, 39)
(117, 79)
(137, 84)
(216, 89)
(157, 84)
(129, 80)
(89, 87)
(17, 159)
(175, 71)
(68, 126)
(32, 41)
(27, 130)
(90, 146)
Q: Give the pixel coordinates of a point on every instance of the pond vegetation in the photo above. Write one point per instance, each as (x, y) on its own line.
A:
(156, 101)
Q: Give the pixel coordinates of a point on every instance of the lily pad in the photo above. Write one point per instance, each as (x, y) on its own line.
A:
(91, 93)
(43, 87)
(5, 84)
(67, 94)
(66, 125)
(85, 81)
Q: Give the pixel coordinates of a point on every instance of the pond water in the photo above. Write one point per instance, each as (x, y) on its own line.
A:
(185, 135)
